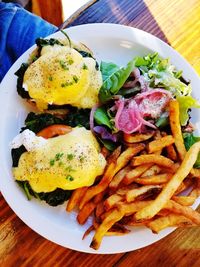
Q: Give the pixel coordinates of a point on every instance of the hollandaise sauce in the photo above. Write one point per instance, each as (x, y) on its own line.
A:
(68, 162)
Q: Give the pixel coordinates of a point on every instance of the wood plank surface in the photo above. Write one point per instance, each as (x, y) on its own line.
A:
(177, 22)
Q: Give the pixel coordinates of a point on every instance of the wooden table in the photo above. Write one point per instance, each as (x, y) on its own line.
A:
(178, 23)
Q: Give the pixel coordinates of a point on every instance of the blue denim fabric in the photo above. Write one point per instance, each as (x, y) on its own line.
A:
(18, 31)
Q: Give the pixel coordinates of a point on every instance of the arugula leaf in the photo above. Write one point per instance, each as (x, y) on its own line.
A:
(101, 117)
(113, 79)
(189, 140)
(185, 103)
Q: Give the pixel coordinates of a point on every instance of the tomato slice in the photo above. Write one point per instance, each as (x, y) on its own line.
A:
(54, 130)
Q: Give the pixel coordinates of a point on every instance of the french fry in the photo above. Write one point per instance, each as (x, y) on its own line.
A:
(187, 183)
(75, 198)
(176, 128)
(170, 220)
(171, 152)
(130, 208)
(100, 209)
(134, 193)
(88, 231)
(112, 201)
(195, 172)
(117, 229)
(107, 223)
(123, 190)
(172, 185)
(88, 208)
(105, 152)
(172, 171)
(136, 172)
(85, 212)
(137, 137)
(117, 179)
(185, 211)
(196, 190)
(180, 189)
(153, 170)
(154, 179)
(159, 144)
(153, 159)
(92, 191)
(184, 200)
(112, 169)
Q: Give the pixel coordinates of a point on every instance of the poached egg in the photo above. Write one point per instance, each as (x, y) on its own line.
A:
(67, 161)
(61, 75)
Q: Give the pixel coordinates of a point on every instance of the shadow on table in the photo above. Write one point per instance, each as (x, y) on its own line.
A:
(133, 13)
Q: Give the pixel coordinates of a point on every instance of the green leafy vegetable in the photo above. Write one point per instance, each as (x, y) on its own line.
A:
(185, 103)
(189, 140)
(20, 74)
(162, 122)
(101, 117)
(54, 198)
(66, 35)
(87, 54)
(37, 122)
(78, 117)
(16, 154)
(113, 79)
(107, 69)
(40, 42)
(159, 72)
(108, 144)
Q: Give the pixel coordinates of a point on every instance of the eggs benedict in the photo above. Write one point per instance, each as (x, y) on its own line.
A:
(66, 162)
(63, 73)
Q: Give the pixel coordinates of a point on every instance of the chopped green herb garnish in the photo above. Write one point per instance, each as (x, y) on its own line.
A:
(50, 78)
(70, 61)
(58, 156)
(75, 78)
(52, 162)
(70, 156)
(85, 67)
(69, 169)
(70, 178)
(66, 84)
(63, 65)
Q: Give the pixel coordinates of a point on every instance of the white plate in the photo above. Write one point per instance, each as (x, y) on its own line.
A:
(109, 42)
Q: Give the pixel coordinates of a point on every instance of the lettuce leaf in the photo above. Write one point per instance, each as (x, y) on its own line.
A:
(113, 79)
(101, 117)
(159, 72)
(189, 140)
(186, 103)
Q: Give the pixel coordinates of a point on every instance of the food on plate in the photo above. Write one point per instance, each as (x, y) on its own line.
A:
(68, 161)
(122, 150)
(60, 72)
